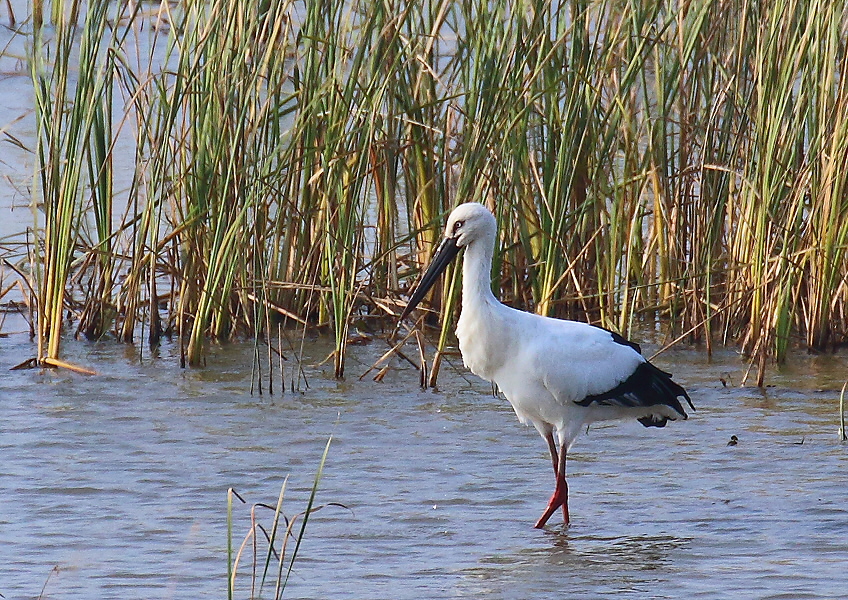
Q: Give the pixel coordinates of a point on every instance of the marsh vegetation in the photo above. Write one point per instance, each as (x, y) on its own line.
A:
(678, 166)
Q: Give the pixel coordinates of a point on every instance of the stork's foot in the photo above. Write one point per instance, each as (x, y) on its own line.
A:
(559, 499)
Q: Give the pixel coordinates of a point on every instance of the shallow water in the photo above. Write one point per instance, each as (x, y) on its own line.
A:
(120, 481)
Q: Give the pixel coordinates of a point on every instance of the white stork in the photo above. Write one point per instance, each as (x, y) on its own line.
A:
(558, 375)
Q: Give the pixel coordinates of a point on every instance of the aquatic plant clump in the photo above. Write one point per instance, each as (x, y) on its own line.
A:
(648, 163)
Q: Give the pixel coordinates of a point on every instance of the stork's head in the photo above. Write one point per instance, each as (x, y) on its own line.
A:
(467, 224)
(470, 222)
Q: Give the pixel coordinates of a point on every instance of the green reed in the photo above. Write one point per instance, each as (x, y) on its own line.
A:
(72, 76)
(647, 161)
(271, 564)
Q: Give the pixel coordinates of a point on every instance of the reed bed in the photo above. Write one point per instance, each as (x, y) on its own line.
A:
(652, 164)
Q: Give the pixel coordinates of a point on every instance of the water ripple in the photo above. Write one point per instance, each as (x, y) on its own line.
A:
(121, 481)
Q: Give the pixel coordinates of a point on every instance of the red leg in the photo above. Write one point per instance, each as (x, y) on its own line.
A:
(560, 495)
(549, 437)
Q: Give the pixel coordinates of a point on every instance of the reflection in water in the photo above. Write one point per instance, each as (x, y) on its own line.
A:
(640, 553)
(121, 481)
(586, 562)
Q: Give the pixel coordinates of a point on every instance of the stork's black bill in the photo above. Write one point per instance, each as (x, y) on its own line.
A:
(445, 253)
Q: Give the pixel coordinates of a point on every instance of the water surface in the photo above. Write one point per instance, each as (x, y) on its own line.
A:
(120, 481)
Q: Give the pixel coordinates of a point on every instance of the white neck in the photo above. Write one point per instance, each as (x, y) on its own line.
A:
(477, 274)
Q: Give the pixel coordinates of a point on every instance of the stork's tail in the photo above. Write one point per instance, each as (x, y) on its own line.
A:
(647, 387)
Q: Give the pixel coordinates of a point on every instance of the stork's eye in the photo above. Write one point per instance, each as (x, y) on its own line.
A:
(456, 227)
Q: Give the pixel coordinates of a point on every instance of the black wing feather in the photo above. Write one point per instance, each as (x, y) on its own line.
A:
(647, 386)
